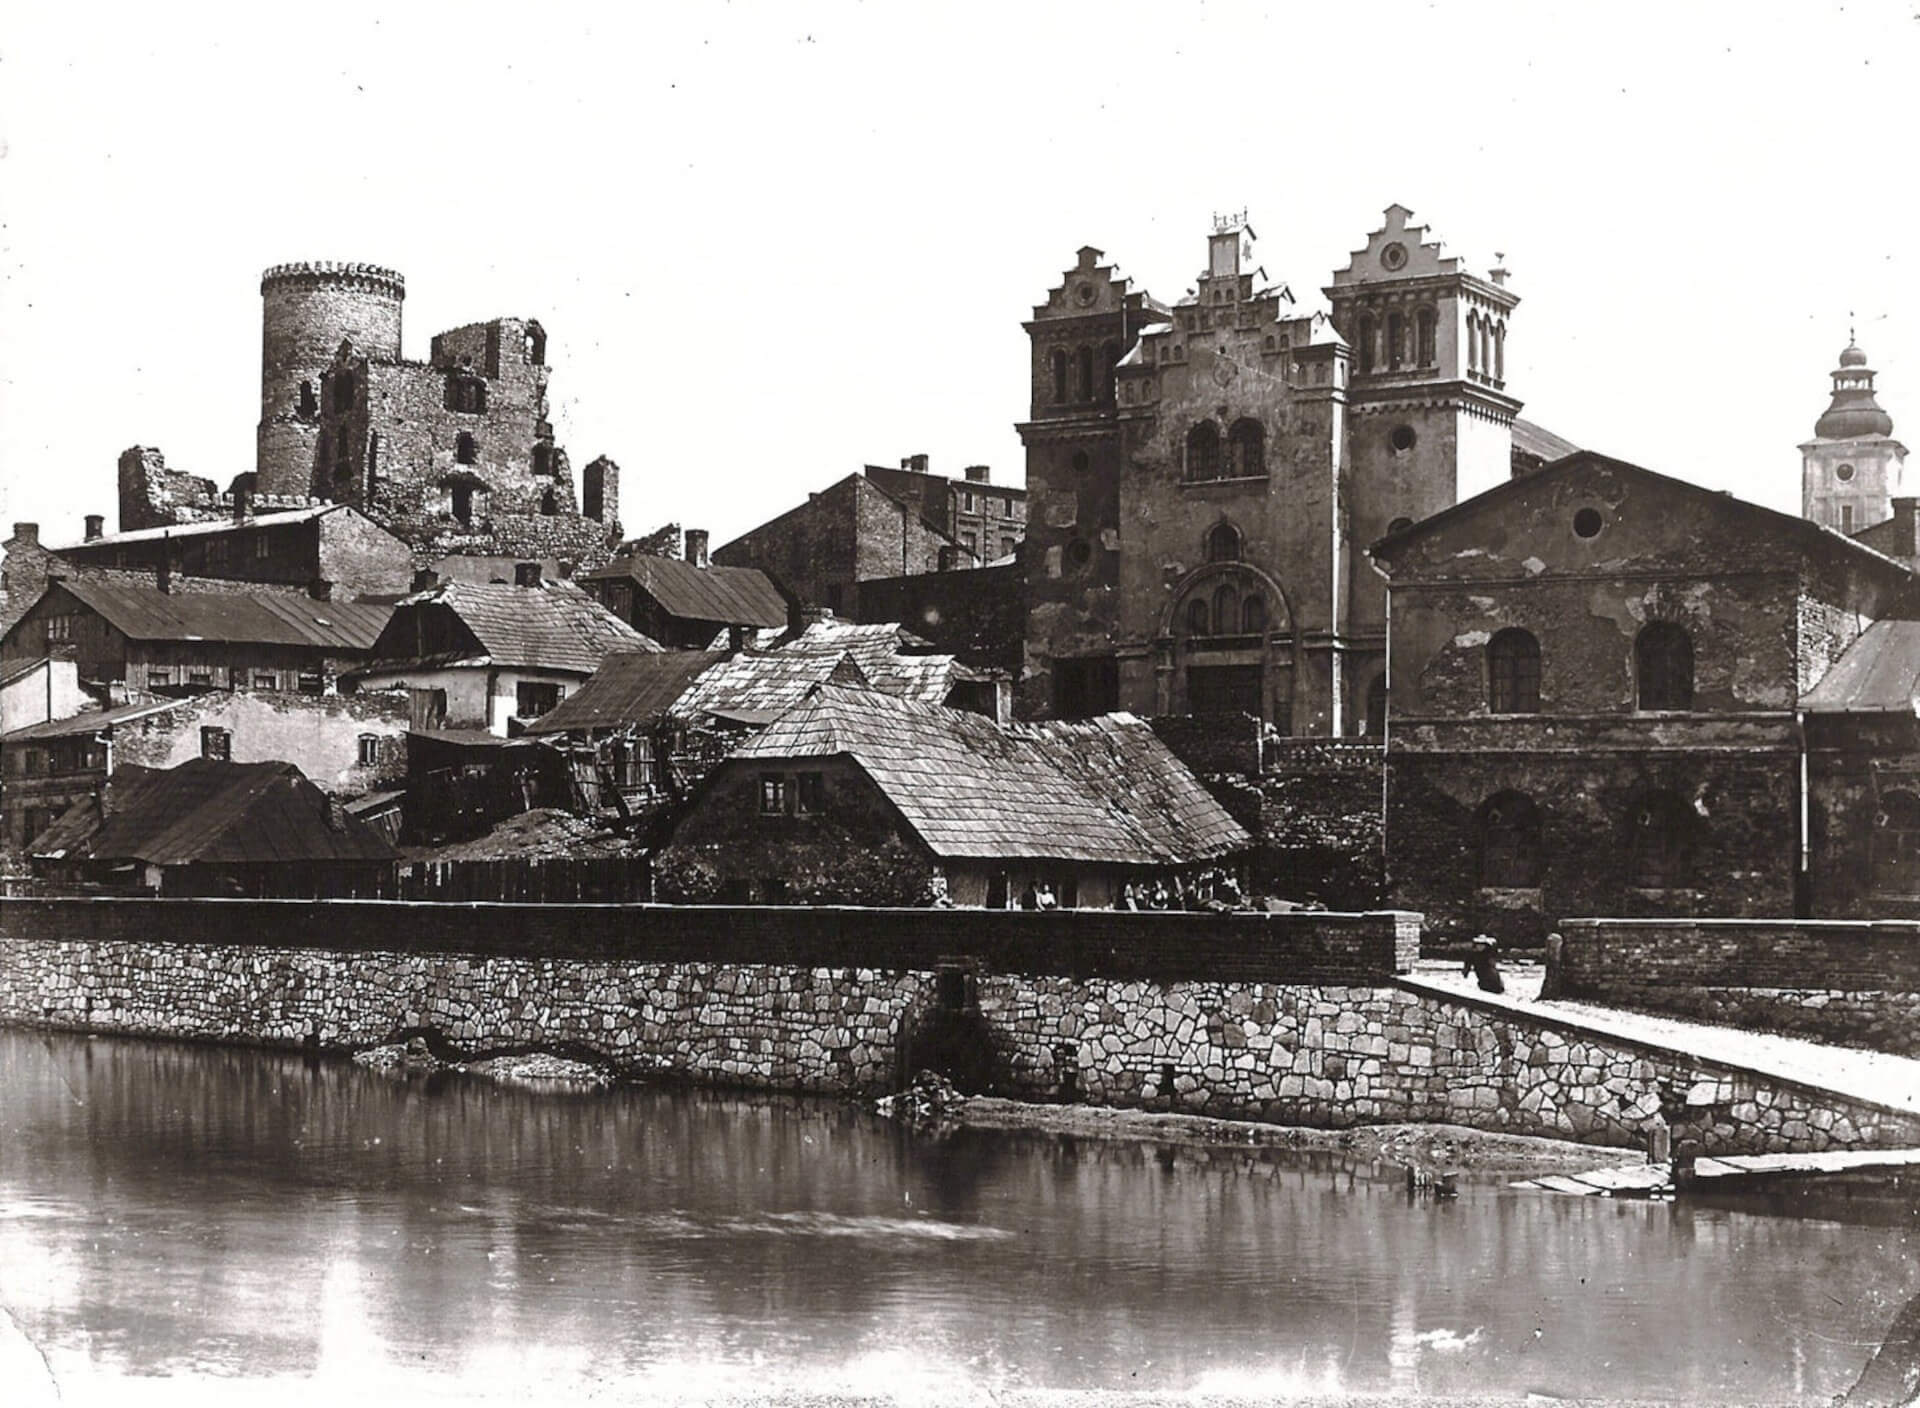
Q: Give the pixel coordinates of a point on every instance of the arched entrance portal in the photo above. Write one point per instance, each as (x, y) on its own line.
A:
(1226, 645)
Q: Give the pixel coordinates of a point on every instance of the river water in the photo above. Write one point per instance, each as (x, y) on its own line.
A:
(175, 1214)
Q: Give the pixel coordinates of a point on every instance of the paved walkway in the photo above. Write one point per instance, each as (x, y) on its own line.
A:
(1871, 1076)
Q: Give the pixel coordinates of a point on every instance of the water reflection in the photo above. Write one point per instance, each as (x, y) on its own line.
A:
(168, 1209)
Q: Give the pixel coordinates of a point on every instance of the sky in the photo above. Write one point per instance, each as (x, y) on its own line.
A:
(772, 243)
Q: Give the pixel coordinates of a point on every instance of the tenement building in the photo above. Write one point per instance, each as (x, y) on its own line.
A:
(1202, 477)
(453, 454)
(1595, 676)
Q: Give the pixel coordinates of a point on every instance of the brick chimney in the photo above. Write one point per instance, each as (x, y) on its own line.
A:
(979, 474)
(26, 535)
(697, 547)
(916, 463)
(96, 526)
(526, 574)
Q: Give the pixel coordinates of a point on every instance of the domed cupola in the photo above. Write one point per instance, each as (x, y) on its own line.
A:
(1854, 411)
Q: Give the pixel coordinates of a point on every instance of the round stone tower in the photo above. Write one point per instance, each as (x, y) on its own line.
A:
(308, 311)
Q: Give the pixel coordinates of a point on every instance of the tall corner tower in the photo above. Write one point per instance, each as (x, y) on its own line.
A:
(1853, 468)
(308, 311)
(1430, 420)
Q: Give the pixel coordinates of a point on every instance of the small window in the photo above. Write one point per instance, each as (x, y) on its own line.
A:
(217, 744)
(1843, 472)
(1396, 340)
(1425, 324)
(1846, 518)
(1402, 439)
(1085, 360)
(466, 450)
(1197, 618)
(532, 698)
(467, 394)
(369, 751)
(536, 344)
(1587, 523)
(809, 793)
(60, 627)
(312, 684)
(1226, 608)
(200, 674)
(1663, 661)
(1223, 543)
(543, 458)
(1253, 616)
(773, 794)
(549, 503)
(1364, 336)
(309, 404)
(1059, 376)
(265, 679)
(463, 502)
(262, 547)
(1513, 672)
(159, 676)
(1203, 451)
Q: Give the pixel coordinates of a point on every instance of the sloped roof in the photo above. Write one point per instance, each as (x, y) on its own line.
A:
(757, 684)
(263, 617)
(19, 669)
(629, 689)
(1104, 790)
(555, 626)
(211, 812)
(88, 721)
(1878, 674)
(1538, 441)
(742, 596)
(204, 527)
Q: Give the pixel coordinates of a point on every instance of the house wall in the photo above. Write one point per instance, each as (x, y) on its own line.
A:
(319, 735)
(1857, 866)
(51, 691)
(977, 614)
(843, 535)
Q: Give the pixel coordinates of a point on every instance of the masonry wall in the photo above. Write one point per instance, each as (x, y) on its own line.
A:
(977, 613)
(1855, 983)
(1303, 1028)
(319, 734)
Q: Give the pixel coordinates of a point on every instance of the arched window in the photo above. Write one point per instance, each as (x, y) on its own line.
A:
(1253, 616)
(1086, 373)
(1895, 844)
(1226, 602)
(1223, 543)
(340, 392)
(1513, 672)
(309, 407)
(536, 344)
(1500, 351)
(1109, 362)
(1203, 451)
(1663, 665)
(1661, 832)
(1426, 324)
(1059, 376)
(1508, 832)
(1396, 340)
(1364, 336)
(549, 504)
(1377, 707)
(1247, 449)
(463, 502)
(1197, 623)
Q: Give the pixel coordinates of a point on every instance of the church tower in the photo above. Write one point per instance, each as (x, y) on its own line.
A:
(1851, 471)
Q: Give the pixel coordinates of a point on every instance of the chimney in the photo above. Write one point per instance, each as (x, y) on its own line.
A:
(915, 463)
(424, 579)
(163, 566)
(979, 474)
(1906, 530)
(26, 535)
(697, 546)
(96, 526)
(320, 589)
(526, 574)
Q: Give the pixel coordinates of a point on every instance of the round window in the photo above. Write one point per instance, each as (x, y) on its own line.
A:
(1080, 461)
(1587, 523)
(1843, 473)
(1079, 552)
(1402, 439)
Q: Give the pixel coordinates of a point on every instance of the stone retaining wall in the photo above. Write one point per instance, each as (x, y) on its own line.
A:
(1322, 1054)
(1856, 983)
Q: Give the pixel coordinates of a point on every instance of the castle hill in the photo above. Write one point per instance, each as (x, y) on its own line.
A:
(1315, 878)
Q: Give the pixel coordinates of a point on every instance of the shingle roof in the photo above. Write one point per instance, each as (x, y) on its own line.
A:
(758, 684)
(263, 617)
(1878, 674)
(735, 596)
(555, 626)
(1105, 790)
(628, 690)
(19, 669)
(88, 721)
(212, 812)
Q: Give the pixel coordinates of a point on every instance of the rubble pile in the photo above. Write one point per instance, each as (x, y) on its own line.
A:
(929, 1100)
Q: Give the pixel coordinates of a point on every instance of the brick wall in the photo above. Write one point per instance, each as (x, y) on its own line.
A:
(1300, 947)
(1853, 982)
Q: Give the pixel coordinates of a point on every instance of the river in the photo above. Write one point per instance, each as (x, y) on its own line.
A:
(174, 1214)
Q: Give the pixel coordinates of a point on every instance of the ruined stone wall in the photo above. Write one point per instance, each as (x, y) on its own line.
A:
(1857, 984)
(1316, 1051)
(153, 496)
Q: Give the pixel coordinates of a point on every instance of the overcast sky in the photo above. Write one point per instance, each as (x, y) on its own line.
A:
(771, 243)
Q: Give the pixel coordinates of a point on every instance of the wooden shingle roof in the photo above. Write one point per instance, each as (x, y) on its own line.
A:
(1104, 790)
